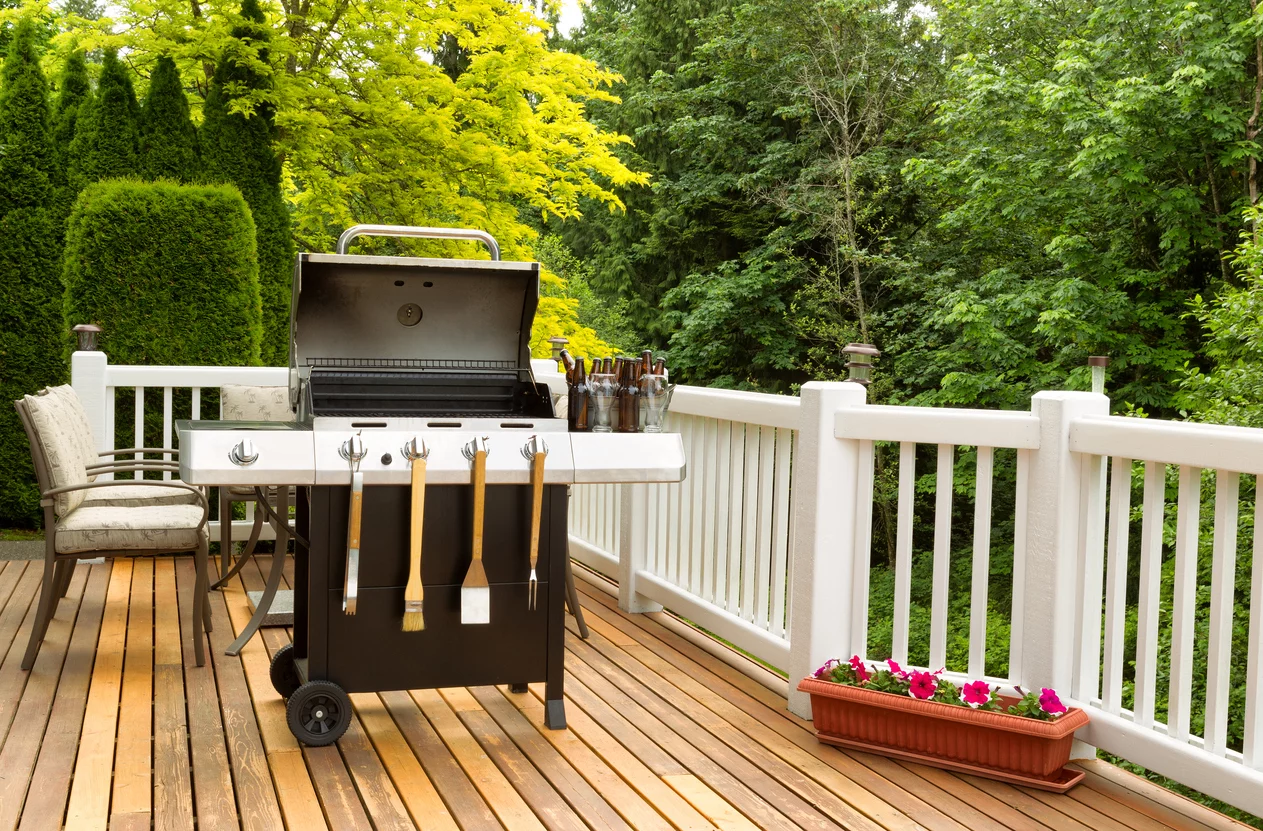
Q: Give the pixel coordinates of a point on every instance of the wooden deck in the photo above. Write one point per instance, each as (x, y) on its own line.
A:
(116, 728)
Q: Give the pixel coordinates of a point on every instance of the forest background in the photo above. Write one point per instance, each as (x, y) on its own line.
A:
(989, 191)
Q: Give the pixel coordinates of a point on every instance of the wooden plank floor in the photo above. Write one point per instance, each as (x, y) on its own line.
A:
(116, 728)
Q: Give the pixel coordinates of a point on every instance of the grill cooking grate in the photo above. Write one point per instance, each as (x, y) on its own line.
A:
(414, 363)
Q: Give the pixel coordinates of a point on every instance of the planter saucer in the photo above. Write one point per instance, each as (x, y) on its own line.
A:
(1061, 781)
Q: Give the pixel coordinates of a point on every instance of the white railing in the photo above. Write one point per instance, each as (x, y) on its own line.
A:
(714, 548)
(768, 544)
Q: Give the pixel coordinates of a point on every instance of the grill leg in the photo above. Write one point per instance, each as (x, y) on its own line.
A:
(518, 688)
(555, 714)
(225, 531)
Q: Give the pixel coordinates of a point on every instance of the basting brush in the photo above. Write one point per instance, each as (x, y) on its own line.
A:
(414, 594)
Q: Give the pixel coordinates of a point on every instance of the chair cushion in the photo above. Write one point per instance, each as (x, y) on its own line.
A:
(238, 402)
(61, 448)
(128, 496)
(77, 424)
(150, 528)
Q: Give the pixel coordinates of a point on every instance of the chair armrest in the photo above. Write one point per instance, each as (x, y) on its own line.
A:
(157, 467)
(123, 450)
(147, 464)
(45, 499)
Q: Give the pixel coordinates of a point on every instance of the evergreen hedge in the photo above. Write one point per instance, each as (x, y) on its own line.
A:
(168, 271)
(168, 139)
(237, 149)
(107, 132)
(30, 291)
(74, 89)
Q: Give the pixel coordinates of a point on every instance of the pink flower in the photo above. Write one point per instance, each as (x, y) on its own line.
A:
(824, 671)
(976, 693)
(895, 669)
(1050, 703)
(922, 685)
(861, 671)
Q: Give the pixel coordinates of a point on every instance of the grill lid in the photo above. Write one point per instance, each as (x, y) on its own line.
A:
(410, 335)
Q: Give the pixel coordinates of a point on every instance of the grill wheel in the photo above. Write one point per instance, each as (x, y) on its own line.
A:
(284, 674)
(318, 713)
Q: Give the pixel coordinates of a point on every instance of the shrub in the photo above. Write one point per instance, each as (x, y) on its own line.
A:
(168, 139)
(237, 148)
(168, 271)
(30, 291)
(107, 129)
(74, 89)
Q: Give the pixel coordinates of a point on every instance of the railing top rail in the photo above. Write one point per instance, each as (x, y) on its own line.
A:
(194, 376)
(782, 411)
(938, 425)
(1217, 446)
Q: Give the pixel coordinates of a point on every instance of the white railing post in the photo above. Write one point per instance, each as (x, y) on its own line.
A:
(1054, 515)
(633, 546)
(825, 510)
(87, 377)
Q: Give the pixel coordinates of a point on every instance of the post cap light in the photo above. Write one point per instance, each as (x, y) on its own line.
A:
(1098, 364)
(859, 361)
(558, 343)
(87, 335)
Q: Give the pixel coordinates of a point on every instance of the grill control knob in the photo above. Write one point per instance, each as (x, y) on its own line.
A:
(386, 458)
(244, 453)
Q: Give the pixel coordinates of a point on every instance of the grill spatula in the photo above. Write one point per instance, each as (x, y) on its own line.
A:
(535, 451)
(414, 594)
(475, 593)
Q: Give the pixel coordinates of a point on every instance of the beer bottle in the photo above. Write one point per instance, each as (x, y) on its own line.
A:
(580, 400)
(629, 403)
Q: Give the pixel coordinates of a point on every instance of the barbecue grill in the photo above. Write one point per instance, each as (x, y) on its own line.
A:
(390, 356)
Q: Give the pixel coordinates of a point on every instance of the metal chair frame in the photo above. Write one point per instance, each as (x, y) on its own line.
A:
(58, 568)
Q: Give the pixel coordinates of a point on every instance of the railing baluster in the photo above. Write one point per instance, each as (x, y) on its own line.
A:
(780, 532)
(723, 449)
(1150, 593)
(1188, 522)
(140, 428)
(749, 525)
(197, 403)
(1223, 574)
(736, 497)
(708, 509)
(1087, 665)
(863, 550)
(698, 476)
(903, 552)
(1116, 584)
(763, 570)
(1253, 743)
(168, 438)
(982, 564)
(1017, 617)
(671, 571)
(942, 555)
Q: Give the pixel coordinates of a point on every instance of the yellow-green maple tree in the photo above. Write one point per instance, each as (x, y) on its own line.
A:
(374, 129)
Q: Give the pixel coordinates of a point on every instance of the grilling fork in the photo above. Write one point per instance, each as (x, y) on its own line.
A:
(475, 592)
(353, 451)
(535, 451)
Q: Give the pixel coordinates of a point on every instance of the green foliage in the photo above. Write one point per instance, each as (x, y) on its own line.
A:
(30, 325)
(74, 89)
(237, 148)
(107, 131)
(146, 258)
(168, 139)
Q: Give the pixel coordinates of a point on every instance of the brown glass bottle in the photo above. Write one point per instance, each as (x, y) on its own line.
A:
(580, 401)
(660, 366)
(568, 362)
(629, 402)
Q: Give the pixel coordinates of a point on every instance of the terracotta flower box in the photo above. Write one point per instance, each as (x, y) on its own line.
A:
(997, 745)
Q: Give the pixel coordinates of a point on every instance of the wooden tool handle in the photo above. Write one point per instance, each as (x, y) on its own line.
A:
(480, 492)
(418, 517)
(537, 503)
(353, 526)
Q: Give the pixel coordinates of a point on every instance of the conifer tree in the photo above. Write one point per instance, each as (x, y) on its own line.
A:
(168, 139)
(237, 149)
(74, 89)
(31, 354)
(107, 131)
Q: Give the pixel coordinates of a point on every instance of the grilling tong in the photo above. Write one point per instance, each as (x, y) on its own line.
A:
(535, 451)
(353, 451)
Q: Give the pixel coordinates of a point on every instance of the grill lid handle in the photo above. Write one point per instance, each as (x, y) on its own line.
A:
(344, 241)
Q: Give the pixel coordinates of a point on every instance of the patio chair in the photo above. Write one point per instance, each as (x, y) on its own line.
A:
(76, 530)
(239, 402)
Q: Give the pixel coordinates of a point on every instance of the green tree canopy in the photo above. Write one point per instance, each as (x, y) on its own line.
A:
(237, 135)
(168, 139)
(107, 130)
(31, 354)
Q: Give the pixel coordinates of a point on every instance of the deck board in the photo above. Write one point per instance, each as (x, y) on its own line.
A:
(116, 728)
